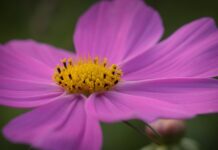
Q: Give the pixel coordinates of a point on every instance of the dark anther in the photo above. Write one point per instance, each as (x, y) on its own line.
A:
(113, 72)
(65, 64)
(105, 75)
(73, 86)
(62, 78)
(59, 70)
(84, 81)
(105, 85)
(116, 82)
(70, 76)
(59, 82)
(65, 84)
(79, 87)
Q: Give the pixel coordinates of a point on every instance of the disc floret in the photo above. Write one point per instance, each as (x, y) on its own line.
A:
(86, 75)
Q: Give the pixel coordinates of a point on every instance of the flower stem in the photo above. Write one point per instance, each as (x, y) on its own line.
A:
(141, 131)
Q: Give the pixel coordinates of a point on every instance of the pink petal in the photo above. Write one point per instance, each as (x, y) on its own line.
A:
(117, 29)
(63, 124)
(45, 53)
(22, 66)
(192, 51)
(29, 60)
(195, 96)
(27, 93)
(117, 106)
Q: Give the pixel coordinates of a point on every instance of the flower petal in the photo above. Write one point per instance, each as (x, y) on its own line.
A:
(27, 93)
(192, 51)
(45, 53)
(29, 60)
(117, 29)
(195, 96)
(26, 69)
(63, 125)
(22, 66)
(117, 106)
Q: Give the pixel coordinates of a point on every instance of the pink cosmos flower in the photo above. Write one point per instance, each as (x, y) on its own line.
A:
(120, 71)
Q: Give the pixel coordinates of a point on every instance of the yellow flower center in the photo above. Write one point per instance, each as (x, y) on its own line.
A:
(86, 76)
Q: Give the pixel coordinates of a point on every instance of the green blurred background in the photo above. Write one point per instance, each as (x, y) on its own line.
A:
(53, 22)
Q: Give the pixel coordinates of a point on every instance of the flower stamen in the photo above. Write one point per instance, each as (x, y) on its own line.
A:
(86, 76)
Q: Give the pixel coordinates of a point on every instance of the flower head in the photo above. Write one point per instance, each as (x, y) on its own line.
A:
(87, 76)
(120, 71)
